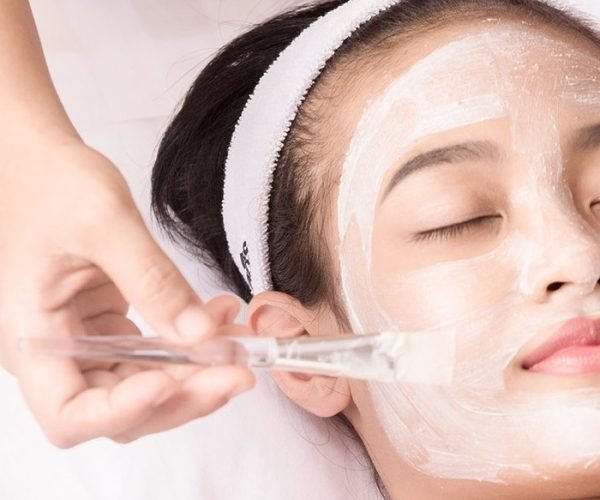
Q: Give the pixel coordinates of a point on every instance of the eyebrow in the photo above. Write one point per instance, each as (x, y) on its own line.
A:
(453, 154)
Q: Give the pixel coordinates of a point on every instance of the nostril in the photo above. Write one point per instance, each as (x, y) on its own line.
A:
(552, 287)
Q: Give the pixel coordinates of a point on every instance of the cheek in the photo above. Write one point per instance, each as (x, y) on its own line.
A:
(447, 293)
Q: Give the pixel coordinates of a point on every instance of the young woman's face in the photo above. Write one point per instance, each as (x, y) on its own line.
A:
(469, 203)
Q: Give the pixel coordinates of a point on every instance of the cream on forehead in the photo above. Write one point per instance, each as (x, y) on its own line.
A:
(471, 80)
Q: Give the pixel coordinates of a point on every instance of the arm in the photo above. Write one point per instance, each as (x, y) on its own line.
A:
(28, 99)
(74, 253)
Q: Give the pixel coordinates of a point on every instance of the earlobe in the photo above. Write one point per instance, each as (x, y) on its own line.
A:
(279, 315)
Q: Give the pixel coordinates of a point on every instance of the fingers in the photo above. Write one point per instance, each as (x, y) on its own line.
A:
(102, 411)
(149, 281)
(101, 299)
(61, 278)
(102, 378)
(74, 407)
(143, 403)
(106, 324)
(200, 394)
(69, 412)
(223, 309)
(105, 258)
(111, 324)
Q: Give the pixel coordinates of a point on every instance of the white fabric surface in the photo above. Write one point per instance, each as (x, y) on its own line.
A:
(120, 67)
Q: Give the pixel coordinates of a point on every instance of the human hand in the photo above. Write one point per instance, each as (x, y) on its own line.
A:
(75, 253)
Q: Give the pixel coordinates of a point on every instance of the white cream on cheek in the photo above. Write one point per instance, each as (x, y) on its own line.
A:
(361, 183)
(477, 429)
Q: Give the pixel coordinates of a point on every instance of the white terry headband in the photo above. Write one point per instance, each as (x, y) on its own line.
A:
(263, 126)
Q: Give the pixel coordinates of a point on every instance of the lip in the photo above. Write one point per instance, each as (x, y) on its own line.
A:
(573, 349)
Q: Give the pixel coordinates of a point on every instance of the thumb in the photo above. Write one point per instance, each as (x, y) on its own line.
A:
(149, 281)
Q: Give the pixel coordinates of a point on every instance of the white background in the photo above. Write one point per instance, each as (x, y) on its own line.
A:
(120, 67)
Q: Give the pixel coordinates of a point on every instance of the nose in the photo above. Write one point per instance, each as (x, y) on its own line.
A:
(566, 264)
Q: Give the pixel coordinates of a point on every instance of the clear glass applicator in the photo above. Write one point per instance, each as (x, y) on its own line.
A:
(386, 357)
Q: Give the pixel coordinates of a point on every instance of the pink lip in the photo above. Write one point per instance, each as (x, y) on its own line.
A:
(573, 349)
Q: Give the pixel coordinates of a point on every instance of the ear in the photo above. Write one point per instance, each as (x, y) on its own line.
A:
(280, 315)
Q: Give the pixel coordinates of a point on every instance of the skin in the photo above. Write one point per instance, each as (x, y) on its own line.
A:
(75, 254)
(397, 254)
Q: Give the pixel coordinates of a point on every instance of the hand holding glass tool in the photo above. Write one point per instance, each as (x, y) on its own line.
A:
(384, 357)
(76, 253)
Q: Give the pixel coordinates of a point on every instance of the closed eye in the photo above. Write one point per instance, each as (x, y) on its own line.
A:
(455, 230)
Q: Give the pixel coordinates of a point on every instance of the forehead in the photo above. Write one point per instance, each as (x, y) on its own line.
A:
(452, 64)
(449, 66)
(501, 71)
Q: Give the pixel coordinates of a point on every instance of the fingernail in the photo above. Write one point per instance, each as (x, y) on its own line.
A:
(194, 323)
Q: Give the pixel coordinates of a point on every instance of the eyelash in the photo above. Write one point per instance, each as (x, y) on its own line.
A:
(454, 230)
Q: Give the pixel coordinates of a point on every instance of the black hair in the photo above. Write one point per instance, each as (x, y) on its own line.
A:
(187, 179)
